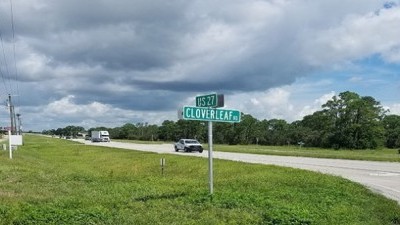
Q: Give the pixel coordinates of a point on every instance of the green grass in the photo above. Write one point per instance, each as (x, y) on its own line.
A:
(141, 142)
(385, 154)
(53, 181)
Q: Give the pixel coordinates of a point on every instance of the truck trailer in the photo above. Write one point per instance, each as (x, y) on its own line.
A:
(100, 136)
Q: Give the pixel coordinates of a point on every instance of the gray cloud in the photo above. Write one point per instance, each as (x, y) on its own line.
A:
(150, 55)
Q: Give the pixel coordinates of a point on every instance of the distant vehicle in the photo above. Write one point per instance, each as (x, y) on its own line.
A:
(188, 145)
(100, 136)
(87, 137)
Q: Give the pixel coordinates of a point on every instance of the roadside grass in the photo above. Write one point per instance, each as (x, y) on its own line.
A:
(141, 142)
(55, 181)
(384, 154)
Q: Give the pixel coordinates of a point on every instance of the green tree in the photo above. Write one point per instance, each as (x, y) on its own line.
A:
(116, 133)
(191, 129)
(168, 131)
(151, 133)
(273, 132)
(129, 131)
(246, 129)
(223, 133)
(317, 129)
(391, 124)
(73, 130)
(355, 121)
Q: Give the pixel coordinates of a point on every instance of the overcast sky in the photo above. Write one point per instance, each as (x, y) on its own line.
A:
(106, 63)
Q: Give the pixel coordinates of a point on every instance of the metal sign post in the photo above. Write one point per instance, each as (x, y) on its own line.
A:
(210, 158)
(9, 143)
(207, 109)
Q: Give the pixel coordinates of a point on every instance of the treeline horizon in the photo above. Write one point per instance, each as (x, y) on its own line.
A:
(347, 121)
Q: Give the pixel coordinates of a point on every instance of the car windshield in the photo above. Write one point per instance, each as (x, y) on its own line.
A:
(191, 141)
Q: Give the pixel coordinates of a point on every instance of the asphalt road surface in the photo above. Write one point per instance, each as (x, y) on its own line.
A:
(381, 177)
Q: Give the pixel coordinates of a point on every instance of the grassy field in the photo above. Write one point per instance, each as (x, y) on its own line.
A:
(384, 154)
(141, 142)
(54, 181)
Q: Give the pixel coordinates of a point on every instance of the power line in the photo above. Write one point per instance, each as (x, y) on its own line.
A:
(14, 52)
(10, 91)
(5, 63)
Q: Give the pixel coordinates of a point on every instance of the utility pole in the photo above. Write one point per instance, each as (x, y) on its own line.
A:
(19, 132)
(13, 118)
(15, 121)
(11, 107)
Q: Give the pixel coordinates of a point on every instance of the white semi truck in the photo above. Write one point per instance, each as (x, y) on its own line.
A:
(100, 136)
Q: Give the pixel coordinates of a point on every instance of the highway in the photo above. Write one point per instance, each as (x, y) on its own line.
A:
(381, 177)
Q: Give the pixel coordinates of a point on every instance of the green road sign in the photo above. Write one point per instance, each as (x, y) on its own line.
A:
(211, 114)
(210, 100)
(206, 100)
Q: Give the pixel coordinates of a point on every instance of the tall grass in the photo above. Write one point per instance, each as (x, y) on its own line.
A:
(53, 181)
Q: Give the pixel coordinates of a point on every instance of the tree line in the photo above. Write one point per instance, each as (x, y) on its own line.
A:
(347, 121)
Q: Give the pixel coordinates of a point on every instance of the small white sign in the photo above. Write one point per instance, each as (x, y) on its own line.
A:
(162, 162)
(16, 140)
